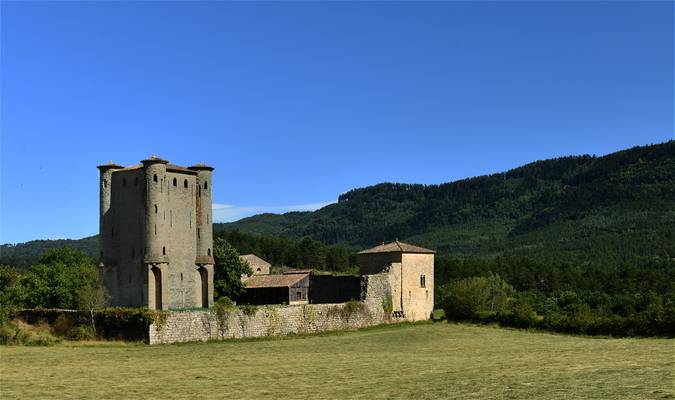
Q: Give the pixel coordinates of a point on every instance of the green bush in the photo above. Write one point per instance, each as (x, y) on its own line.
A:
(467, 298)
(387, 306)
(353, 306)
(10, 333)
(249, 310)
(81, 332)
(438, 314)
(55, 282)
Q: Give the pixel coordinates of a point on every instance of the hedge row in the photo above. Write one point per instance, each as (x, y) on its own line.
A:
(111, 323)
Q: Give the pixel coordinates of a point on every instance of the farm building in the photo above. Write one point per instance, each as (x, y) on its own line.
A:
(325, 288)
(291, 288)
(411, 271)
(257, 264)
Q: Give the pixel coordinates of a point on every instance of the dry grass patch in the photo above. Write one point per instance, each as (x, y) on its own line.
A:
(421, 362)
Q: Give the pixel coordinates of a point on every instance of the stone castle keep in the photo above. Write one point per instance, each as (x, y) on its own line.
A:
(156, 251)
(155, 234)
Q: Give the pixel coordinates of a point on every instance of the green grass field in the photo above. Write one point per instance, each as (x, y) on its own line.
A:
(409, 361)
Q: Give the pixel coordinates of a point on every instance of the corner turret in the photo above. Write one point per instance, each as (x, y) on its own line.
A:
(204, 208)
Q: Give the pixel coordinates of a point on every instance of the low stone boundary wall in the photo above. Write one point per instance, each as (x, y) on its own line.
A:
(278, 320)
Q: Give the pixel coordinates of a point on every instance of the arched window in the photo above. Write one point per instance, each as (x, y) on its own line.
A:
(164, 250)
(175, 182)
(155, 208)
(124, 182)
(423, 281)
(208, 251)
(105, 183)
(185, 184)
(154, 177)
(206, 185)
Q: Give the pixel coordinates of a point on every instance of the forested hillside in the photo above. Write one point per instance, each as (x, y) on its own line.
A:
(576, 244)
(23, 255)
(615, 208)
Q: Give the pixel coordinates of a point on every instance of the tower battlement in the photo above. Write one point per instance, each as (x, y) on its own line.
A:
(156, 235)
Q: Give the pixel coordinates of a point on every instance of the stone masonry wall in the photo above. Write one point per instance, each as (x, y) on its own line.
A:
(278, 320)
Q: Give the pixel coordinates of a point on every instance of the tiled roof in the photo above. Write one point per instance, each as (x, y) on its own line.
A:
(252, 260)
(299, 271)
(396, 247)
(169, 167)
(178, 168)
(269, 281)
(131, 167)
(201, 166)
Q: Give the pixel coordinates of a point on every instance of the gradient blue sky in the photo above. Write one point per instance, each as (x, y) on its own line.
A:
(294, 103)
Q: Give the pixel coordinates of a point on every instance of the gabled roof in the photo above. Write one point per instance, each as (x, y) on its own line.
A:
(299, 271)
(396, 247)
(252, 260)
(270, 281)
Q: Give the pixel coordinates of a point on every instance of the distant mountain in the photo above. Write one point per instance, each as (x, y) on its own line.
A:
(615, 208)
(618, 208)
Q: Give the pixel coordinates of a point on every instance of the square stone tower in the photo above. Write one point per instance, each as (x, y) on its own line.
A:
(156, 235)
(411, 277)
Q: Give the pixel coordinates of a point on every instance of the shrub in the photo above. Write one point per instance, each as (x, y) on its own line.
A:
(438, 314)
(387, 306)
(81, 332)
(467, 298)
(353, 306)
(63, 324)
(58, 278)
(249, 310)
(128, 323)
(222, 309)
(10, 333)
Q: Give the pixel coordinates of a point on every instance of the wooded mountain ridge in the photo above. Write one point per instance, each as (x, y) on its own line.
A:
(618, 208)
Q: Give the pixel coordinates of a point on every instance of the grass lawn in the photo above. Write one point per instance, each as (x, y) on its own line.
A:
(409, 361)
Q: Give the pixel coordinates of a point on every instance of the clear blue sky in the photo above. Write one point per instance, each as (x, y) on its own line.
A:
(294, 103)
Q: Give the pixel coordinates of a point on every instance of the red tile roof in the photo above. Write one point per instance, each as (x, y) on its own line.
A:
(397, 247)
(269, 281)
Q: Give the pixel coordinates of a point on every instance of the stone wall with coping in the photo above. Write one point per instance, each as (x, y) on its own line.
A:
(278, 320)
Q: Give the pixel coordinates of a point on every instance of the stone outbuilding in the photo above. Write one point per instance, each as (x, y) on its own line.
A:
(411, 276)
(257, 264)
(289, 288)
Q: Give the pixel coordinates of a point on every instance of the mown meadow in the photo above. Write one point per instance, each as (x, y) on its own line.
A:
(432, 360)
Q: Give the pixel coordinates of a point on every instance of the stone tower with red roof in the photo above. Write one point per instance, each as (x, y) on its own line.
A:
(411, 277)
